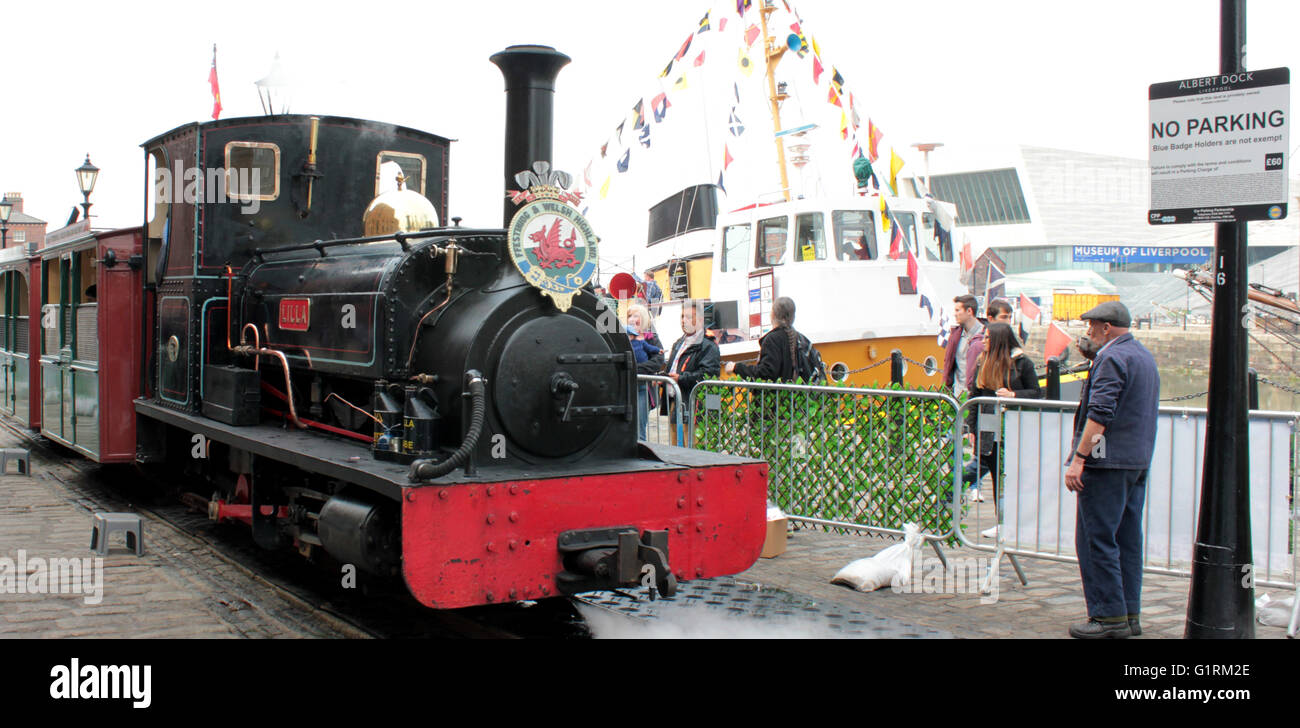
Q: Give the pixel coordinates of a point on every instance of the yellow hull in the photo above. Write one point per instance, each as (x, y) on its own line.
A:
(856, 355)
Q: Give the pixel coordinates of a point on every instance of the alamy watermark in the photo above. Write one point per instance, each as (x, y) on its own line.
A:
(55, 575)
(964, 575)
(212, 185)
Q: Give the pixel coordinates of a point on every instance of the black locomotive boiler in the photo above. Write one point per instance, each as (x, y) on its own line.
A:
(348, 373)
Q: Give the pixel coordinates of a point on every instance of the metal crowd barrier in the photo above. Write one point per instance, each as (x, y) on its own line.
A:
(841, 457)
(1038, 515)
(660, 429)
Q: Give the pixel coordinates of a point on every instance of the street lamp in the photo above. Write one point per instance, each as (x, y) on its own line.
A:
(86, 175)
(5, 208)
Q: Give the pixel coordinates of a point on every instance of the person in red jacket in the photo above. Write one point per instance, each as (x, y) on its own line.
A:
(965, 344)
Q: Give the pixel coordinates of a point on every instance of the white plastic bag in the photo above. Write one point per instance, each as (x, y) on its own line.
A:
(892, 566)
(1274, 612)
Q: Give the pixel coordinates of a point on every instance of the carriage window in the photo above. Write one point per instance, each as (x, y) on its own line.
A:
(252, 171)
(413, 166)
(735, 247)
(855, 234)
(810, 237)
(52, 296)
(771, 241)
(87, 267)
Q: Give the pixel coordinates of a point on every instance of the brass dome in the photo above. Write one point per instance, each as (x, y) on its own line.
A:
(399, 210)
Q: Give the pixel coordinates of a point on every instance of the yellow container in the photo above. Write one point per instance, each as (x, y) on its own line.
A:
(1069, 306)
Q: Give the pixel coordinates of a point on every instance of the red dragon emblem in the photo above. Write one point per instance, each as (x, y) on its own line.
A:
(551, 252)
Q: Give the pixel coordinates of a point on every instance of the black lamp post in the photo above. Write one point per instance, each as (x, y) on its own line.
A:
(5, 208)
(86, 176)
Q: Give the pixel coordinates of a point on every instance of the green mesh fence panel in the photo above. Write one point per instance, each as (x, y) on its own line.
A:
(878, 460)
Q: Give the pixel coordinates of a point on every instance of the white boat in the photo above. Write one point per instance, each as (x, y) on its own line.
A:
(819, 238)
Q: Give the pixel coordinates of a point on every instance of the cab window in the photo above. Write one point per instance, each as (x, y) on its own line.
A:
(855, 234)
(810, 237)
(413, 166)
(772, 234)
(907, 221)
(252, 171)
(735, 247)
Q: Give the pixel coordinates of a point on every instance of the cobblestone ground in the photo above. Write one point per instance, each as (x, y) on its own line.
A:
(1044, 608)
(178, 588)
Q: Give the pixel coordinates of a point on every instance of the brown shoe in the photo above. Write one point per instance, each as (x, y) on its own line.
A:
(1093, 630)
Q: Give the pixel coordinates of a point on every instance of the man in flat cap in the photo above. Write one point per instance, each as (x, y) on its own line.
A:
(1114, 436)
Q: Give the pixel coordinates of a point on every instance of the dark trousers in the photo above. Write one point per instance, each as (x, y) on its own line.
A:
(1108, 539)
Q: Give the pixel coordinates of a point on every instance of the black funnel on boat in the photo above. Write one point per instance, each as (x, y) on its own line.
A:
(530, 72)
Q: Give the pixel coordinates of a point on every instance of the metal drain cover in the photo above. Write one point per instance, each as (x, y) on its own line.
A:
(725, 607)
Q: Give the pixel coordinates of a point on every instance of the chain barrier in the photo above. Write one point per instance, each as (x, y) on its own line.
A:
(1279, 385)
(868, 367)
(1184, 397)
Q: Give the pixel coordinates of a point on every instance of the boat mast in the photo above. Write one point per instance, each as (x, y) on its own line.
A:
(773, 54)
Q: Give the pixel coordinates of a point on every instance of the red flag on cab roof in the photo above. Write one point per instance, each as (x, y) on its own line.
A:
(216, 88)
(1057, 341)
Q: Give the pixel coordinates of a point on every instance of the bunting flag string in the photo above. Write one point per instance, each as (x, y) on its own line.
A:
(699, 60)
(685, 47)
(704, 23)
(895, 166)
(623, 163)
(619, 132)
(874, 136)
(659, 106)
(645, 136)
(746, 65)
(817, 69)
(638, 115)
(751, 35)
(604, 188)
(736, 127)
(680, 83)
(742, 6)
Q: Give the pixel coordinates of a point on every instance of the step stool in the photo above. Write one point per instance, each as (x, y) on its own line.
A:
(17, 454)
(106, 524)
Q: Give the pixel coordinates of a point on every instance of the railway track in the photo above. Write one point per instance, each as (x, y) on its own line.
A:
(315, 604)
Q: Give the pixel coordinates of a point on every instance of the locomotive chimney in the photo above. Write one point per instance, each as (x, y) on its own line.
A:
(530, 72)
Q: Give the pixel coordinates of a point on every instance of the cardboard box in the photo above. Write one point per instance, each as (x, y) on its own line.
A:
(774, 544)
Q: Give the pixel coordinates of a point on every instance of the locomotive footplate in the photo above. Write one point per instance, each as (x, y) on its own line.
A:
(606, 558)
(355, 463)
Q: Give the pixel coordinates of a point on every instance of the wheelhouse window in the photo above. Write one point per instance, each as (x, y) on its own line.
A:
(907, 221)
(855, 234)
(252, 171)
(772, 234)
(413, 167)
(935, 249)
(735, 247)
(810, 237)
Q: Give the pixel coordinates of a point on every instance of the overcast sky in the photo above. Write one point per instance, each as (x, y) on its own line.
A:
(100, 78)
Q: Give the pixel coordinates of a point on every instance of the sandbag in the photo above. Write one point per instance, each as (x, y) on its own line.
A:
(890, 567)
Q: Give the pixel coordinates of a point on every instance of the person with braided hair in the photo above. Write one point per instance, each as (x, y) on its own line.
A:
(778, 359)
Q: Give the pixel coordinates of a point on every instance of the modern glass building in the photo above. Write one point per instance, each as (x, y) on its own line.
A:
(1053, 209)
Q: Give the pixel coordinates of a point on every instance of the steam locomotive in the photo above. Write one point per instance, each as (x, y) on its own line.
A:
(346, 373)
